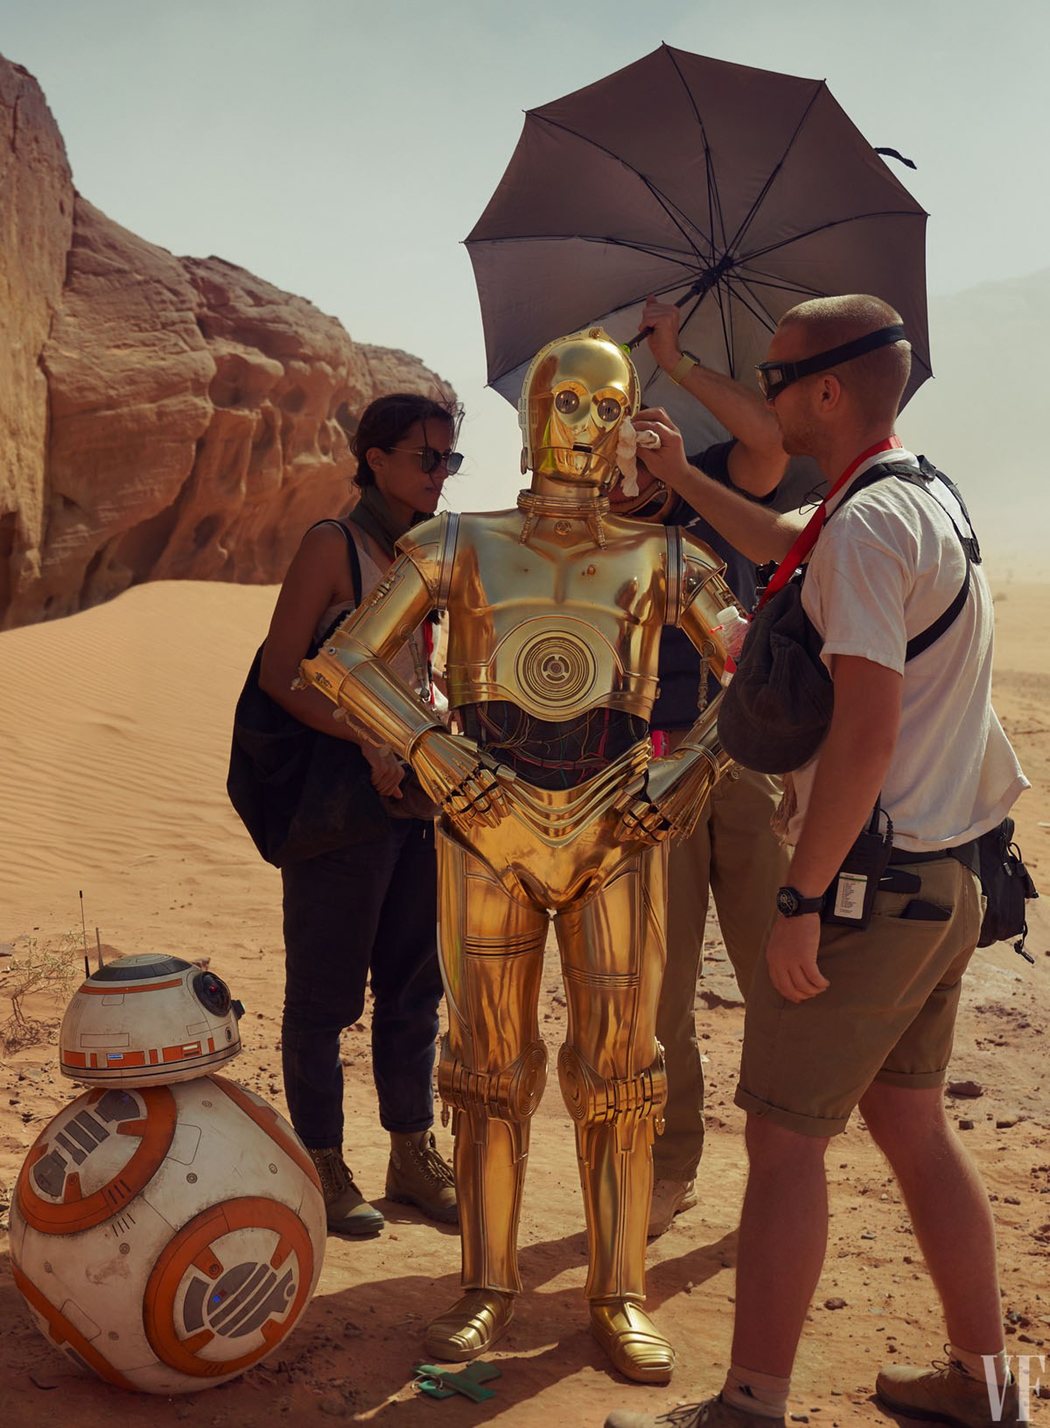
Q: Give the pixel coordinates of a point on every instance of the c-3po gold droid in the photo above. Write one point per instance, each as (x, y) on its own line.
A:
(551, 807)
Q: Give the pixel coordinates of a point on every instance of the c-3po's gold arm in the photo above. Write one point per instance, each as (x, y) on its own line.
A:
(677, 785)
(350, 669)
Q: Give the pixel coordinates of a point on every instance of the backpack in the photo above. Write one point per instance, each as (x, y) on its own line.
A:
(776, 710)
(299, 792)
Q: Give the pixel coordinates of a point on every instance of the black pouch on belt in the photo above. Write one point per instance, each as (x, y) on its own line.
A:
(849, 900)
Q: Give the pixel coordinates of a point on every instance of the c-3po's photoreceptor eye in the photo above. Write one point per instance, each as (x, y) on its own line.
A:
(567, 403)
(608, 409)
(212, 992)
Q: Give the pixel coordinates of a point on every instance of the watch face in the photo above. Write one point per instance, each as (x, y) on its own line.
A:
(787, 902)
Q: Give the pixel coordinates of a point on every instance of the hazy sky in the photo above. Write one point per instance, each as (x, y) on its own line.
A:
(343, 149)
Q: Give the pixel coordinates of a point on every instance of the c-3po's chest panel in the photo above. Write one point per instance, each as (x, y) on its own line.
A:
(556, 626)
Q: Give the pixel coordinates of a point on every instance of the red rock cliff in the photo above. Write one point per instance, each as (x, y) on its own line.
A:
(160, 417)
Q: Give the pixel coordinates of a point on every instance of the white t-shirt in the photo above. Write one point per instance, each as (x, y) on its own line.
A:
(884, 568)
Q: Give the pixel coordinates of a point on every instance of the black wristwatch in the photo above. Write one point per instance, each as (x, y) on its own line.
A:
(791, 903)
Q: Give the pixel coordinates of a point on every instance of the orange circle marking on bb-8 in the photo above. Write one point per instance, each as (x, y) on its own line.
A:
(195, 1247)
(76, 1211)
(62, 1332)
(267, 1119)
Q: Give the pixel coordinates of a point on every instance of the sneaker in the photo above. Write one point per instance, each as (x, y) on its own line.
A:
(712, 1413)
(946, 1393)
(670, 1198)
(418, 1174)
(347, 1210)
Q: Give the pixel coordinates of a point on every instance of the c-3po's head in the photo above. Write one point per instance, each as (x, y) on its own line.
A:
(575, 396)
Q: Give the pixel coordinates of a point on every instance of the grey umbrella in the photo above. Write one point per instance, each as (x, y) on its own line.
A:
(735, 192)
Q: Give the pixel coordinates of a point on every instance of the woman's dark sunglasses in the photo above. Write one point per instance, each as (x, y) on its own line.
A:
(430, 458)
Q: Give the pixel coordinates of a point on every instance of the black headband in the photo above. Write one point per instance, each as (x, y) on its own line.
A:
(788, 372)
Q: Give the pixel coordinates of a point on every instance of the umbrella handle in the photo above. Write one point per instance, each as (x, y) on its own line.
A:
(640, 337)
(703, 285)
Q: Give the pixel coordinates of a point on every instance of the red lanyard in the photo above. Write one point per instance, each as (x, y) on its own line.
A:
(807, 537)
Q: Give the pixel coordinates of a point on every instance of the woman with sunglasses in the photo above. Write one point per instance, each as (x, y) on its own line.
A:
(367, 911)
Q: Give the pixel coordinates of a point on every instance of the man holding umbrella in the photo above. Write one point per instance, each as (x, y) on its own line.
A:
(732, 853)
(839, 1015)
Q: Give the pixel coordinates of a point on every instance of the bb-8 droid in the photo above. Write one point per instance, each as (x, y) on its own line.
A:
(167, 1227)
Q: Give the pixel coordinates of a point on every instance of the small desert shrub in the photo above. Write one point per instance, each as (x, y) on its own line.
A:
(38, 964)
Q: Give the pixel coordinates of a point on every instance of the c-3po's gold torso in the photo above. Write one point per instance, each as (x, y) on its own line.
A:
(556, 625)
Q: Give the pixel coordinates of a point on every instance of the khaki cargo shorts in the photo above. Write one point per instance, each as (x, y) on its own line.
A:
(888, 1015)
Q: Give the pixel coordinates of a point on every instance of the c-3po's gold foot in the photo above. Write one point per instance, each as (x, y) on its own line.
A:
(470, 1327)
(632, 1341)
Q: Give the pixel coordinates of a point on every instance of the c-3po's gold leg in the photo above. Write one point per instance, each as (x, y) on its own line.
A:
(491, 1075)
(613, 1081)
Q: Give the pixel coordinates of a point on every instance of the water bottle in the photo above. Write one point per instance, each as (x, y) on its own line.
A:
(732, 626)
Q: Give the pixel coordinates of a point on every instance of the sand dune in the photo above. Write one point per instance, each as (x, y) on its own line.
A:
(114, 736)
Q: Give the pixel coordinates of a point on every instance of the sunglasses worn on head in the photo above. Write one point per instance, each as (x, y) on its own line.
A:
(430, 458)
(773, 377)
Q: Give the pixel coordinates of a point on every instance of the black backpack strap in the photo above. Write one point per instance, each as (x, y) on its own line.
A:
(922, 479)
(351, 554)
(869, 478)
(933, 632)
(970, 543)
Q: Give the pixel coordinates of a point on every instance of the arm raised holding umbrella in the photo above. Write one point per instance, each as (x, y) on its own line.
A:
(732, 854)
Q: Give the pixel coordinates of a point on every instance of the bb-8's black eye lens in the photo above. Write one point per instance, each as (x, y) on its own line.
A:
(608, 409)
(212, 993)
(567, 402)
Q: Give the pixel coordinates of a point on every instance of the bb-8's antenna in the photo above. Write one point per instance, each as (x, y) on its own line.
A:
(98, 944)
(83, 926)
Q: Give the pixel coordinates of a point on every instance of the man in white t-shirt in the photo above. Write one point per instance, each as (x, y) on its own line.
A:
(841, 1016)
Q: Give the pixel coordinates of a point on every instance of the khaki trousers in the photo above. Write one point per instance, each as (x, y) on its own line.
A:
(733, 854)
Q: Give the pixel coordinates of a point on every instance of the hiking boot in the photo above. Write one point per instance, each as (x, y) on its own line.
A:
(947, 1393)
(713, 1413)
(470, 1327)
(670, 1198)
(347, 1210)
(418, 1174)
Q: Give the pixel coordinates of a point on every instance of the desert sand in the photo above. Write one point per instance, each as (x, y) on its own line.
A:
(114, 727)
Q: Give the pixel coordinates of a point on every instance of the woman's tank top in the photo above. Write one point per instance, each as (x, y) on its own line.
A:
(411, 663)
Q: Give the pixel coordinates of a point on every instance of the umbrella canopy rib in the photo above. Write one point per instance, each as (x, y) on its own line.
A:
(601, 238)
(756, 278)
(762, 194)
(754, 304)
(714, 198)
(833, 223)
(674, 213)
(726, 320)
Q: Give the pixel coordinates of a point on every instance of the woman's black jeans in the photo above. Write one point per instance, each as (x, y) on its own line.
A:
(367, 908)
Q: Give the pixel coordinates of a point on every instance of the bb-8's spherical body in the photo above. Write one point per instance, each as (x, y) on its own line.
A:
(167, 1236)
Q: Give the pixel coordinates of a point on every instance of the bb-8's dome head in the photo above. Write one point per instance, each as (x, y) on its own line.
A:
(148, 1020)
